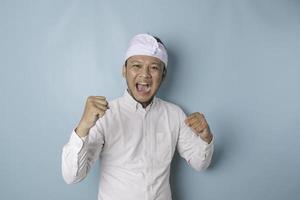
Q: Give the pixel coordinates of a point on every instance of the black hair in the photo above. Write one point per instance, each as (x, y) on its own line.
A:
(158, 40)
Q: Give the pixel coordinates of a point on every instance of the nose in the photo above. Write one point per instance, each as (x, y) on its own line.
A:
(145, 72)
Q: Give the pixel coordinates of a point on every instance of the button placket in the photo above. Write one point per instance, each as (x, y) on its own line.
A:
(142, 114)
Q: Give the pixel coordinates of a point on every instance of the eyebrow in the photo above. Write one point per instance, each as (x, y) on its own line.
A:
(132, 61)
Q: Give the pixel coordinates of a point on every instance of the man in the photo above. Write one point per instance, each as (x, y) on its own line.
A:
(135, 136)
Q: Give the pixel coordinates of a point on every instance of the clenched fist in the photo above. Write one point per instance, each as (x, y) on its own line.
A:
(95, 108)
(197, 122)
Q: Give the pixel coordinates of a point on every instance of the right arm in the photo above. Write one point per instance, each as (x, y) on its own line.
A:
(79, 154)
(86, 142)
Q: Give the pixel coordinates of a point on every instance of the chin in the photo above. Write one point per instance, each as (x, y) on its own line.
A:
(143, 97)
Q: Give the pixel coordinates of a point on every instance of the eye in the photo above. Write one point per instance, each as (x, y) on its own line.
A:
(136, 66)
(155, 67)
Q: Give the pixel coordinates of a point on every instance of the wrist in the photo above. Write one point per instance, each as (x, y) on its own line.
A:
(207, 136)
(82, 130)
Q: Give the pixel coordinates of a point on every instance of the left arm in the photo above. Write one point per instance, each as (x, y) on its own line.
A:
(195, 142)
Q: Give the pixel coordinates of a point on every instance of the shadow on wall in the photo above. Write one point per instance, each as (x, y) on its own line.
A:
(225, 140)
(225, 146)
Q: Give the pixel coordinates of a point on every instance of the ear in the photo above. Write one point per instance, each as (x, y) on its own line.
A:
(124, 71)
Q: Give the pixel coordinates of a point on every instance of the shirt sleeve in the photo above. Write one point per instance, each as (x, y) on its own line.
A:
(192, 148)
(79, 154)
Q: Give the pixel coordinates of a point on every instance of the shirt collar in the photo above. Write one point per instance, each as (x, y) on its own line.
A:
(134, 105)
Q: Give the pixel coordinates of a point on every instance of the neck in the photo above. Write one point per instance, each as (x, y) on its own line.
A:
(145, 104)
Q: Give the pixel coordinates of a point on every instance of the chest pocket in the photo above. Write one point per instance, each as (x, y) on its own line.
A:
(164, 147)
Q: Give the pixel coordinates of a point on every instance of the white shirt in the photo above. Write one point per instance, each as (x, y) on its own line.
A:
(135, 146)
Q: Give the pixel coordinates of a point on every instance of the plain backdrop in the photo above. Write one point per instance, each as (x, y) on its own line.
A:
(237, 61)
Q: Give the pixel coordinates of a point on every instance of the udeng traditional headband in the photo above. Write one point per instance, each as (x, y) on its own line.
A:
(145, 44)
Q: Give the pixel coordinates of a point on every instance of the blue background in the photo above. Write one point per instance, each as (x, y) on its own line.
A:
(236, 61)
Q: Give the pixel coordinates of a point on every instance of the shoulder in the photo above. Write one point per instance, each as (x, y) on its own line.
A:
(170, 106)
(114, 102)
(111, 111)
(113, 105)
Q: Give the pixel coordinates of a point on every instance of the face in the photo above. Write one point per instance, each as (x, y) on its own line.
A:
(143, 75)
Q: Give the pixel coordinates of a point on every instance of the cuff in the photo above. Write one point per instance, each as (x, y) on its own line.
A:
(206, 146)
(77, 141)
(206, 150)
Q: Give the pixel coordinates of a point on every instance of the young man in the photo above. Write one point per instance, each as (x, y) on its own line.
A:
(135, 136)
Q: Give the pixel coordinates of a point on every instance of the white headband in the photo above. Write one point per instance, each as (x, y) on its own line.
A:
(145, 44)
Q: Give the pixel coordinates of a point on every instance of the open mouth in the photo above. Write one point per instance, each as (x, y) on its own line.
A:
(143, 87)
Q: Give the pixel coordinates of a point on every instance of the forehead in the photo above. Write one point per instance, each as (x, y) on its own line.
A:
(144, 59)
